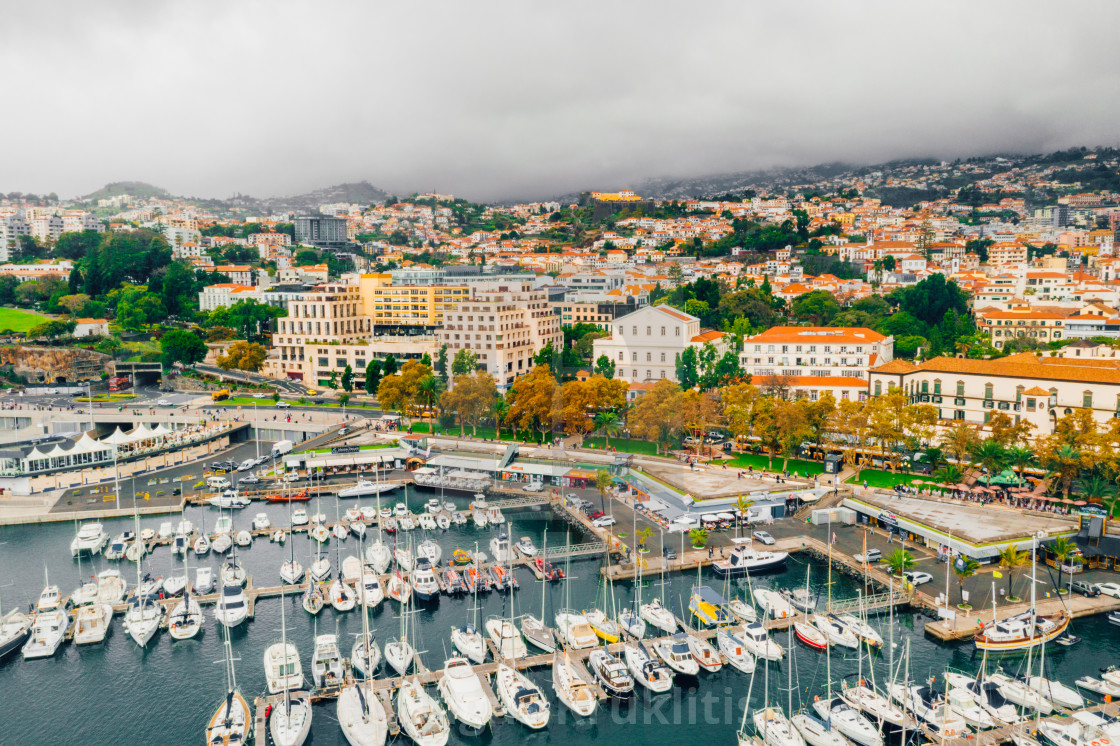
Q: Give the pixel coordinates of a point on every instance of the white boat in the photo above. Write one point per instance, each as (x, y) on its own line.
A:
(184, 528)
(420, 716)
(611, 673)
(166, 529)
(1017, 692)
(48, 630)
(15, 627)
(443, 522)
(458, 518)
(222, 543)
(404, 558)
(150, 586)
(326, 662)
(299, 517)
(801, 599)
(848, 721)
(291, 572)
(261, 522)
(233, 606)
(988, 697)
(202, 546)
(427, 521)
(321, 569)
(861, 629)
(521, 698)
(1056, 692)
(243, 538)
(809, 635)
(340, 531)
(231, 722)
(407, 523)
(734, 650)
(646, 669)
(631, 623)
(398, 588)
(464, 695)
(232, 572)
(525, 547)
(656, 614)
(815, 731)
(290, 719)
(1021, 632)
(175, 584)
(400, 655)
(744, 559)
(741, 610)
(90, 539)
(431, 551)
(143, 618)
(86, 594)
(506, 638)
(50, 598)
(91, 623)
(494, 516)
(320, 533)
(572, 691)
(185, 619)
(358, 529)
(282, 668)
(674, 651)
(501, 549)
(111, 587)
(930, 709)
(378, 555)
(969, 706)
(118, 545)
(1071, 734)
(478, 512)
(370, 593)
(705, 655)
(836, 631)
(341, 596)
(470, 642)
(1099, 686)
(181, 545)
(773, 603)
(203, 580)
(365, 655)
(775, 729)
(877, 707)
(365, 488)
(361, 716)
(574, 630)
(758, 643)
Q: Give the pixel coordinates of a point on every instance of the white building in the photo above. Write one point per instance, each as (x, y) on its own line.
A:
(809, 360)
(12, 226)
(225, 294)
(645, 345)
(91, 328)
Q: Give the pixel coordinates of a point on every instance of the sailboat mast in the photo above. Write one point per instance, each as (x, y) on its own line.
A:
(544, 580)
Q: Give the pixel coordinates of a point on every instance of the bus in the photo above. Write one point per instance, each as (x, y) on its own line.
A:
(221, 395)
(120, 383)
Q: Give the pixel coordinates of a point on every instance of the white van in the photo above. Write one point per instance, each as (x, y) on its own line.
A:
(247, 464)
(217, 483)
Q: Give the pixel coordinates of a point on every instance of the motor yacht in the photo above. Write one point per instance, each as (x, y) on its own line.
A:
(501, 549)
(743, 560)
(282, 668)
(705, 655)
(676, 654)
(734, 650)
(203, 580)
(506, 638)
(91, 623)
(326, 662)
(430, 551)
(261, 522)
(574, 630)
(521, 698)
(462, 691)
(758, 643)
(611, 673)
(233, 606)
(370, 593)
(90, 539)
(424, 583)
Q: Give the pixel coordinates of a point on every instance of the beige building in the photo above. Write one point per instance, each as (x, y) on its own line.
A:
(810, 360)
(392, 306)
(645, 345)
(1023, 386)
(1044, 325)
(505, 323)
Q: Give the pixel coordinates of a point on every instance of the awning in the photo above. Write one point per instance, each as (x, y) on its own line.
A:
(580, 474)
(808, 497)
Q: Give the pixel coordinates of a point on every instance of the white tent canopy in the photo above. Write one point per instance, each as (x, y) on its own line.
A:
(118, 438)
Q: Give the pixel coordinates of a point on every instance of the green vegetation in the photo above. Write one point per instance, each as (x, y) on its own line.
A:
(884, 479)
(760, 461)
(15, 320)
(624, 445)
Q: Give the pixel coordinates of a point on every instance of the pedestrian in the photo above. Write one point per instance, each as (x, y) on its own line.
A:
(709, 552)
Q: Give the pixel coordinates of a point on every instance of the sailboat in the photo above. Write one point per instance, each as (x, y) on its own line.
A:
(399, 653)
(832, 627)
(630, 620)
(815, 731)
(655, 611)
(1023, 631)
(466, 638)
(575, 693)
(232, 721)
(646, 669)
(290, 721)
(377, 554)
(602, 621)
(15, 627)
(361, 716)
(533, 628)
(291, 572)
(185, 619)
(145, 614)
(523, 700)
(504, 634)
(807, 632)
(771, 724)
(572, 627)
(420, 716)
(365, 655)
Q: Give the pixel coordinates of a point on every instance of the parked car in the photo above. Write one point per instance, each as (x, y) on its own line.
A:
(574, 498)
(292, 476)
(534, 487)
(251, 479)
(283, 405)
(917, 578)
(165, 403)
(593, 515)
(668, 553)
(763, 536)
(873, 556)
(1085, 588)
(604, 521)
(1109, 589)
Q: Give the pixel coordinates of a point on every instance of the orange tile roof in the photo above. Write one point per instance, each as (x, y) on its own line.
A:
(707, 336)
(896, 366)
(829, 334)
(1023, 365)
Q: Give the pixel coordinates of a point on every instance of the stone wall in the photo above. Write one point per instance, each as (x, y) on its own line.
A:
(55, 364)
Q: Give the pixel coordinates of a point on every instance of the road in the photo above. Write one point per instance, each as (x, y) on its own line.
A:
(281, 384)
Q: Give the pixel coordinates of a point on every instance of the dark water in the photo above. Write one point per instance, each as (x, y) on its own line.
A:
(119, 693)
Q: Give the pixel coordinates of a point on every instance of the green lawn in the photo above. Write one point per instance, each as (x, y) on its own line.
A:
(625, 445)
(248, 401)
(884, 479)
(760, 461)
(481, 432)
(18, 320)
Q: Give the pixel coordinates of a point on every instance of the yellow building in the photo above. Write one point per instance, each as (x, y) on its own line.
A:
(388, 305)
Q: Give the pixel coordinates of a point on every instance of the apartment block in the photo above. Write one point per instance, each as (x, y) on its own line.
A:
(645, 345)
(807, 361)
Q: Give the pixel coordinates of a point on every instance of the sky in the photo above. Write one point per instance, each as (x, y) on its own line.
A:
(517, 100)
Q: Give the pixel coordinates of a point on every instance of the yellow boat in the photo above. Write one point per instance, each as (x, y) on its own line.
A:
(461, 556)
(605, 627)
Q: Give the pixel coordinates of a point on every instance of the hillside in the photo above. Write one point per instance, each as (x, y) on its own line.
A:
(134, 188)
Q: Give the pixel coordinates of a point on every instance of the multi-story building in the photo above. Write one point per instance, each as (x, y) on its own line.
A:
(1044, 325)
(1024, 386)
(810, 360)
(46, 228)
(415, 308)
(225, 294)
(12, 226)
(76, 221)
(645, 345)
(601, 313)
(322, 231)
(505, 324)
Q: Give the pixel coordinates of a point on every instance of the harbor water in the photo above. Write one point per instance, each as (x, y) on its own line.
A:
(117, 692)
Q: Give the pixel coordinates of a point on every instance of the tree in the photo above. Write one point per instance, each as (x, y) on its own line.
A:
(501, 412)
(389, 367)
(817, 306)
(1020, 457)
(605, 367)
(960, 440)
(1011, 559)
(852, 422)
(607, 423)
(178, 346)
(743, 505)
(428, 391)
(964, 568)
(344, 399)
(471, 399)
(532, 400)
(373, 376)
(465, 362)
(51, 329)
(687, 368)
(243, 355)
(546, 356)
(698, 537)
(990, 456)
(657, 414)
(1067, 553)
(643, 536)
(441, 363)
(348, 379)
(900, 561)
(603, 483)
(399, 390)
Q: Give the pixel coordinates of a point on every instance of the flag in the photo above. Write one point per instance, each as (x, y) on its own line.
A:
(997, 574)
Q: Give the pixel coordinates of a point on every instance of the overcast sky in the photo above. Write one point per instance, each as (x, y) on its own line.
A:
(495, 100)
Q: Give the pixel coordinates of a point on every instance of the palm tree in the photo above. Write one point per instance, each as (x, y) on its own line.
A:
(964, 568)
(1020, 457)
(990, 456)
(1095, 486)
(1011, 559)
(609, 423)
(899, 561)
(643, 537)
(949, 474)
(1065, 463)
(698, 537)
(1066, 553)
(501, 409)
(743, 504)
(428, 392)
(1112, 505)
(603, 483)
(934, 457)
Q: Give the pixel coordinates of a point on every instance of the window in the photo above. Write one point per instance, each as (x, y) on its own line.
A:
(937, 386)
(878, 388)
(960, 388)
(649, 357)
(635, 331)
(621, 356)
(1087, 399)
(662, 331)
(633, 357)
(662, 357)
(635, 374)
(1018, 394)
(925, 387)
(678, 331)
(988, 390)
